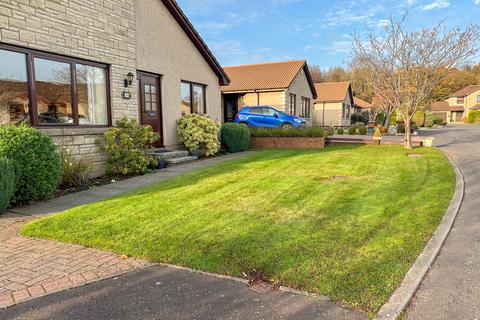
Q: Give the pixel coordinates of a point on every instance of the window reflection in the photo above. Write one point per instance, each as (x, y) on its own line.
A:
(14, 99)
(186, 99)
(198, 99)
(54, 91)
(91, 95)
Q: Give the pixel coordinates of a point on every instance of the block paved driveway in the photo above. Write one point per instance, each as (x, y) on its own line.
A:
(30, 268)
(451, 289)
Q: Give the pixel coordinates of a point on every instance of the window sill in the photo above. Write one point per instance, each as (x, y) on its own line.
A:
(72, 130)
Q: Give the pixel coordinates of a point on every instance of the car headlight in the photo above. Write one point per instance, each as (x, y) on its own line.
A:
(297, 120)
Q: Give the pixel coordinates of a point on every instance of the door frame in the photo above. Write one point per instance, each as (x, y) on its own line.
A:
(232, 97)
(141, 101)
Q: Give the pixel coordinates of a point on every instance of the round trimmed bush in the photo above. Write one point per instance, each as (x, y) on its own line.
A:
(7, 183)
(352, 130)
(362, 130)
(340, 131)
(35, 160)
(235, 137)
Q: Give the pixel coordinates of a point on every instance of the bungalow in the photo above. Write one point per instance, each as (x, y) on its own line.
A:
(75, 67)
(286, 85)
(333, 106)
(361, 105)
(458, 104)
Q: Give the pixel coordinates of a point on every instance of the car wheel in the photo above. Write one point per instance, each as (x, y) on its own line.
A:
(286, 125)
(243, 123)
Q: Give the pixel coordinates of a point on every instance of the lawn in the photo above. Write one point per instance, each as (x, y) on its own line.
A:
(346, 222)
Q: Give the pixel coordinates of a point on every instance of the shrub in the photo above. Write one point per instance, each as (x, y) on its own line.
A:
(393, 118)
(75, 173)
(199, 132)
(292, 132)
(330, 131)
(400, 127)
(340, 131)
(352, 130)
(380, 118)
(126, 147)
(7, 183)
(429, 119)
(362, 130)
(419, 119)
(235, 137)
(474, 116)
(35, 159)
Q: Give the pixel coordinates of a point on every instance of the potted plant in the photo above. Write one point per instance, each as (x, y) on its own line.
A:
(161, 162)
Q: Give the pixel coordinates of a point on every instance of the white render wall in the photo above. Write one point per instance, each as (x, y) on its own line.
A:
(163, 48)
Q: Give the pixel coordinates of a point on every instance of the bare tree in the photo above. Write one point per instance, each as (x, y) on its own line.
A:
(404, 67)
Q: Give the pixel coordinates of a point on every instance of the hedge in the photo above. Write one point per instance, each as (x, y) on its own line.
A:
(7, 183)
(474, 116)
(292, 132)
(235, 137)
(35, 159)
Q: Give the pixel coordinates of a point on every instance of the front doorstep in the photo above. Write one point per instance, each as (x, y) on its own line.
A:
(287, 142)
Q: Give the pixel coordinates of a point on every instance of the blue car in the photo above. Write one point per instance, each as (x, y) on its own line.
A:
(265, 116)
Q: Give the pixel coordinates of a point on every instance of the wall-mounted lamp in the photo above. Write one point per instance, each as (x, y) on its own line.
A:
(129, 80)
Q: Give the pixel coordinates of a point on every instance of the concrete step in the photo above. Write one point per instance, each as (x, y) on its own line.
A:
(172, 154)
(178, 160)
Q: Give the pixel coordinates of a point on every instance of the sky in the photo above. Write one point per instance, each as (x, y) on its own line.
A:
(320, 31)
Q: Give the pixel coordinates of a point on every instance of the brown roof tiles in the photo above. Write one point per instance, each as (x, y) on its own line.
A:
(443, 106)
(332, 91)
(361, 103)
(265, 76)
(465, 91)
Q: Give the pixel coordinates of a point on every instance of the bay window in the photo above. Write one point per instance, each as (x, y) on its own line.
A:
(45, 89)
(193, 98)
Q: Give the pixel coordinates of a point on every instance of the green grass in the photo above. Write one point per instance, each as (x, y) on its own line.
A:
(352, 238)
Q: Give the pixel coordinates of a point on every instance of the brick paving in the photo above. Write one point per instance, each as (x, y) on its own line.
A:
(31, 268)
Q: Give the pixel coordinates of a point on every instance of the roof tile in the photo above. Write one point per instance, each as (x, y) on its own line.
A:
(264, 76)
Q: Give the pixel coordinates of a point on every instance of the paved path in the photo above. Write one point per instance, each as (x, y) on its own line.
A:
(451, 290)
(30, 268)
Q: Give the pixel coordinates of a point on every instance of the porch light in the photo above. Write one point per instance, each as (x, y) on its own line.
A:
(129, 80)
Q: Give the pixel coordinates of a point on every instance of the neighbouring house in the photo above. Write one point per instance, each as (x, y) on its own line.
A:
(334, 104)
(286, 85)
(361, 105)
(72, 68)
(458, 104)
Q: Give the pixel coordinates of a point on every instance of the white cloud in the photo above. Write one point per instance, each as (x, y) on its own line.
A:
(476, 1)
(382, 23)
(437, 4)
(410, 3)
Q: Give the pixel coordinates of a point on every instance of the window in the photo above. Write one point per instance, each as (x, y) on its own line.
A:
(14, 98)
(292, 106)
(150, 98)
(460, 100)
(193, 98)
(255, 110)
(92, 95)
(305, 113)
(55, 90)
(269, 111)
(478, 99)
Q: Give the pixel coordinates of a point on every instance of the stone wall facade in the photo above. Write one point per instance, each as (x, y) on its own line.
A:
(99, 31)
(81, 144)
